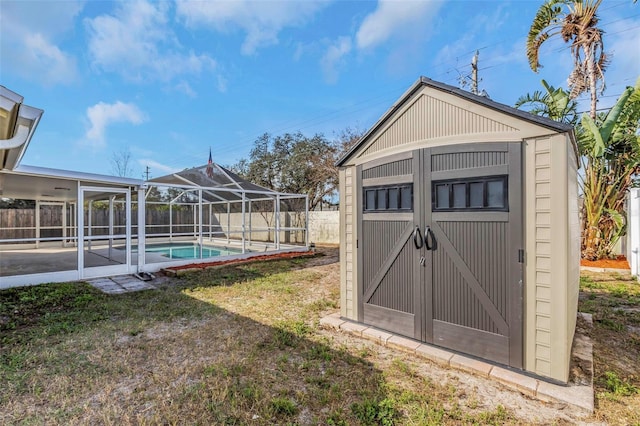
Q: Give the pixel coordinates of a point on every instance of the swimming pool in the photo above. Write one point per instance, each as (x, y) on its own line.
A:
(188, 250)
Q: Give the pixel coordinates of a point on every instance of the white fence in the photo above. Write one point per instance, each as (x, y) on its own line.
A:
(633, 232)
(323, 225)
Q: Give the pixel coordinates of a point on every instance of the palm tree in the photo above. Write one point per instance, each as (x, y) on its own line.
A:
(576, 23)
(552, 103)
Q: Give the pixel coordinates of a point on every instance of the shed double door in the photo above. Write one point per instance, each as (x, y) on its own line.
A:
(440, 248)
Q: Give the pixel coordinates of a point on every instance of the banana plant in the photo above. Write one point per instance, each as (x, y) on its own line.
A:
(552, 103)
(610, 155)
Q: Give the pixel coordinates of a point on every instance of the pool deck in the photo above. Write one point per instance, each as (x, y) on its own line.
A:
(42, 260)
(54, 258)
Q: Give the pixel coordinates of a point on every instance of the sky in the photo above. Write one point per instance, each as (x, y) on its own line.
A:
(167, 81)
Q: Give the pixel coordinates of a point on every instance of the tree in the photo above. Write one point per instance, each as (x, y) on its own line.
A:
(121, 163)
(346, 139)
(291, 163)
(610, 148)
(576, 23)
(552, 103)
(295, 163)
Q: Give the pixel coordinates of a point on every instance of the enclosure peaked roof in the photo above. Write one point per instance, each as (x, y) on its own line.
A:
(215, 179)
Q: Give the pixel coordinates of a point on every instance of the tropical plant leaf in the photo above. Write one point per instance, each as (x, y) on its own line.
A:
(553, 103)
(614, 114)
(597, 147)
(617, 219)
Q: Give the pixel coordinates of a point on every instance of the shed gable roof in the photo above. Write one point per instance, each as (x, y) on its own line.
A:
(424, 118)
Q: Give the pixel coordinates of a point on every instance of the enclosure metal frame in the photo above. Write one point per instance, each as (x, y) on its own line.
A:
(246, 228)
(71, 227)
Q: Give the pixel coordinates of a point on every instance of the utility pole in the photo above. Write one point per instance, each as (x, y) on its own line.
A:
(474, 73)
(146, 173)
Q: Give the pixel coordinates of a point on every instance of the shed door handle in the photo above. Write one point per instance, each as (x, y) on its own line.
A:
(428, 237)
(417, 238)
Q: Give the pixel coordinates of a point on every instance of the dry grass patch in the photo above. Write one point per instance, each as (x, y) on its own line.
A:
(614, 301)
(231, 345)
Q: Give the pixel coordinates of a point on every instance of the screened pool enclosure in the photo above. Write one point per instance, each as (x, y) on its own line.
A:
(71, 225)
(60, 225)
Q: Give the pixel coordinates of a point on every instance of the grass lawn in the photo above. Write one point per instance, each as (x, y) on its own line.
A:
(614, 301)
(241, 345)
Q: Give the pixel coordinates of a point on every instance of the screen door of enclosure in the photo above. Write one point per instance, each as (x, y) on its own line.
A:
(104, 231)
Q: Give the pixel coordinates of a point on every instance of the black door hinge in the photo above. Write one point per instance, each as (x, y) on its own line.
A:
(520, 256)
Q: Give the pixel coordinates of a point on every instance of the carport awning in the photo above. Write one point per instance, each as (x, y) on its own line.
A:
(17, 124)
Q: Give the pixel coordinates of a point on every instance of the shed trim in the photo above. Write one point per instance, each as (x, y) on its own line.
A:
(483, 101)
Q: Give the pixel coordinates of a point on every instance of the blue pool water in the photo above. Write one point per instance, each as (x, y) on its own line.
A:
(188, 251)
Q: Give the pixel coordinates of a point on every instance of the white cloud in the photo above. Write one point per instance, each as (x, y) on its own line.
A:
(45, 62)
(333, 58)
(103, 115)
(261, 20)
(28, 43)
(406, 21)
(221, 84)
(186, 88)
(49, 18)
(154, 166)
(393, 17)
(138, 43)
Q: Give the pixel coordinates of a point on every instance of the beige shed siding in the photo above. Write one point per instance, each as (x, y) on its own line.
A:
(573, 239)
(550, 243)
(431, 118)
(540, 256)
(347, 201)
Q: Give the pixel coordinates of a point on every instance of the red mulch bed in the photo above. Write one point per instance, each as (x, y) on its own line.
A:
(620, 262)
(251, 259)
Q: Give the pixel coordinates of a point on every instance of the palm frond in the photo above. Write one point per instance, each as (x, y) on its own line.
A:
(553, 103)
(544, 25)
(530, 98)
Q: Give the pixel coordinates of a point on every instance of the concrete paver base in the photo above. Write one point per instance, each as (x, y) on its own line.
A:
(120, 284)
(578, 394)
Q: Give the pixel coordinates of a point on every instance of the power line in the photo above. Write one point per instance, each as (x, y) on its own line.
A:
(384, 96)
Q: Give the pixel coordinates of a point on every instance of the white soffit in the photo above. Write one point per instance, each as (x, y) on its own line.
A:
(41, 183)
(17, 124)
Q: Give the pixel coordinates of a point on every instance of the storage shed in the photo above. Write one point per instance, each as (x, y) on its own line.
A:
(459, 228)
